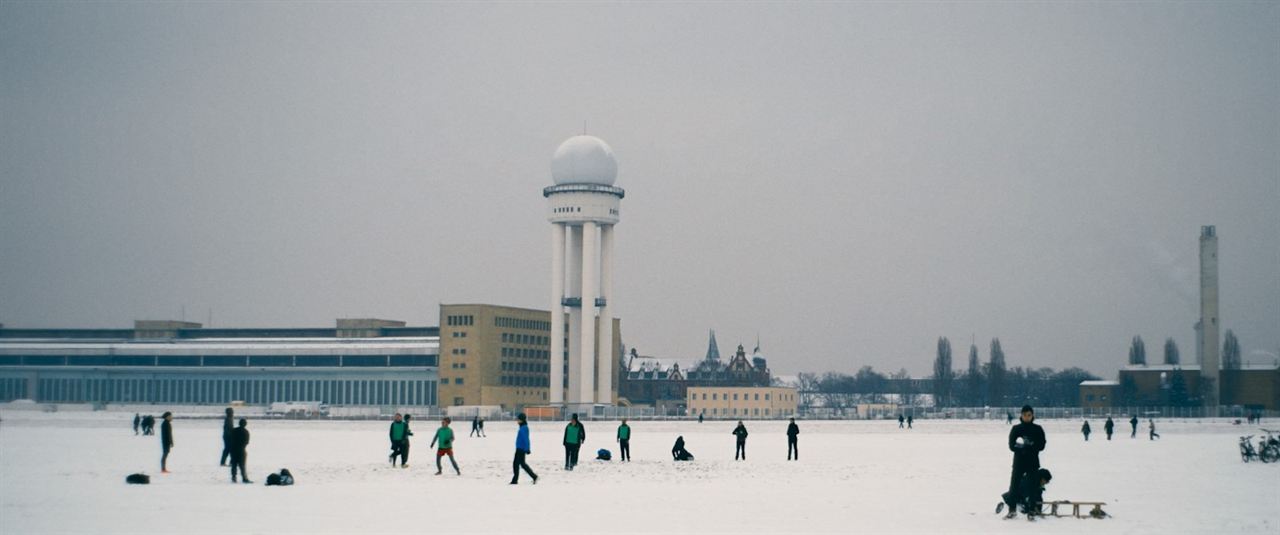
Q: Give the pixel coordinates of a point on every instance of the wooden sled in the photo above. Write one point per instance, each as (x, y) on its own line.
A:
(1095, 510)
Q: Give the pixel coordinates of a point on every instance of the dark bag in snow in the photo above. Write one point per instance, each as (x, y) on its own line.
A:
(138, 479)
(603, 455)
(283, 479)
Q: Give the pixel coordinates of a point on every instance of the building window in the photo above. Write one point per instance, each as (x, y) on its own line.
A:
(457, 401)
(713, 397)
(457, 381)
(735, 397)
(766, 397)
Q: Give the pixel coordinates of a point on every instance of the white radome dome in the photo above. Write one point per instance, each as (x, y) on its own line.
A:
(584, 160)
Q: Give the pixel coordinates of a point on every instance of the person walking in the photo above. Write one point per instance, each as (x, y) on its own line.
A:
(1085, 429)
(910, 420)
(166, 441)
(901, 420)
(793, 431)
(475, 425)
(574, 436)
(624, 442)
(1008, 418)
(1133, 423)
(522, 450)
(1151, 423)
(482, 428)
(444, 436)
(1026, 441)
(397, 434)
(227, 426)
(700, 416)
(137, 422)
(404, 442)
(239, 443)
(741, 433)
(1109, 427)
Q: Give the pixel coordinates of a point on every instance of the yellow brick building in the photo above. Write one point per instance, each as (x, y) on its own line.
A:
(754, 402)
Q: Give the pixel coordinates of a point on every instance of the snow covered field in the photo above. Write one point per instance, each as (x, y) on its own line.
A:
(64, 473)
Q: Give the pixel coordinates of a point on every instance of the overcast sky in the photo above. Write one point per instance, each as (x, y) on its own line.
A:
(849, 181)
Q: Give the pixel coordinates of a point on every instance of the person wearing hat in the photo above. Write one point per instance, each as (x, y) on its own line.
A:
(1026, 441)
(574, 436)
(166, 441)
(522, 449)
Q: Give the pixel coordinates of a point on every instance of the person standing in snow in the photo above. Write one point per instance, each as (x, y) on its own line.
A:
(901, 421)
(397, 434)
(166, 441)
(624, 442)
(1133, 423)
(475, 425)
(239, 454)
(910, 420)
(574, 435)
(137, 422)
(1085, 429)
(741, 433)
(404, 442)
(793, 432)
(1109, 427)
(1026, 441)
(444, 436)
(227, 426)
(1152, 428)
(522, 449)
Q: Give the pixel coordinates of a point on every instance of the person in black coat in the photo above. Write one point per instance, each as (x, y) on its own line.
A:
(1109, 427)
(239, 443)
(227, 425)
(1133, 423)
(1026, 441)
(137, 422)
(792, 431)
(678, 452)
(741, 433)
(1086, 430)
(166, 441)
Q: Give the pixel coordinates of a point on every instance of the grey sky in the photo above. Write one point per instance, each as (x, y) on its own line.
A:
(850, 181)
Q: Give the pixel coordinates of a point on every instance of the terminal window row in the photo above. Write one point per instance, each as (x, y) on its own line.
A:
(512, 338)
(235, 361)
(223, 391)
(515, 380)
(460, 320)
(519, 352)
(568, 209)
(525, 367)
(459, 351)
(517, 323)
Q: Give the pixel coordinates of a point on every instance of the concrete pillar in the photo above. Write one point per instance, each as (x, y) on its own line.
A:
(573, 288)
(555, 381)
(604, 348)
(590, 289)
(1209, 321)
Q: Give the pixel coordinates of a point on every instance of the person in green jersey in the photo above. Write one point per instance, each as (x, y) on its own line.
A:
(624, 441)
(444, 436)
(574, 436)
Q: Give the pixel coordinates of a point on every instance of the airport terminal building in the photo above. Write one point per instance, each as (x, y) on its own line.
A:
(360, 362)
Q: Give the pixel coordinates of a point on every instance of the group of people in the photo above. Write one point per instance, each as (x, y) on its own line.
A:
(1110, 427)
(909, 420)
(145, 425)
(442, 442)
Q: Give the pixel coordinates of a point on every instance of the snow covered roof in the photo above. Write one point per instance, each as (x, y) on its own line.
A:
(1099, 383)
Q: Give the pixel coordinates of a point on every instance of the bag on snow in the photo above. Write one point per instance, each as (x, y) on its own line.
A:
(138, 479)
(283, 479)
(603, 455)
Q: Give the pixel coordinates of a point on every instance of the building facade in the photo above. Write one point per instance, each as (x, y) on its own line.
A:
(384, 364)
(499, 355)
(750, 402)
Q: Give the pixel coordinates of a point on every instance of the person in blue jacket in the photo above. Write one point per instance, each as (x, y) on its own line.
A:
(522, 449)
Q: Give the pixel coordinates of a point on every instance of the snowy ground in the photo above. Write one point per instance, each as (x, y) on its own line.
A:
(64, 473)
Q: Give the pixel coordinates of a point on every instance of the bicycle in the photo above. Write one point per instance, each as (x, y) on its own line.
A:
(1269, 447)
(1247, 453)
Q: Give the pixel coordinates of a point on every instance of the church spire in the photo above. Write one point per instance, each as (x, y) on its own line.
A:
(713, 351)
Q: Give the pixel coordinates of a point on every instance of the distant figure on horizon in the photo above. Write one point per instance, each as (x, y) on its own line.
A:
(475, 426)
(624, 442)
(481, 427)
(574, 435)
(137, 422)
(1008, 418)
(700, 416)
(1109, 427)
(678, 452)
(1133, 422)
(239, 444)
(1085, 429)
(910, 420)
(793, 431)
(444, 436)
(522, 449)
(227, 426)
(166, 440)
(1151, 423)
(741, 433)
(901, 421)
